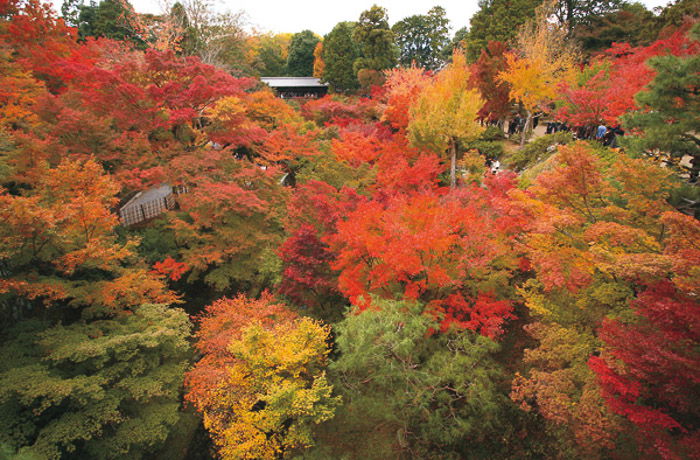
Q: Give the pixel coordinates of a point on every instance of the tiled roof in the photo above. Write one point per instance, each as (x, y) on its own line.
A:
(293, 82)
(149, 195)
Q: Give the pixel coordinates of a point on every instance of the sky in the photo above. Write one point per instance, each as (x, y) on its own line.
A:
(321, 15)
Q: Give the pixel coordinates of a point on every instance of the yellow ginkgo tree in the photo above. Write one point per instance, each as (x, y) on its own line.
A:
(445, 112)
(543, 57)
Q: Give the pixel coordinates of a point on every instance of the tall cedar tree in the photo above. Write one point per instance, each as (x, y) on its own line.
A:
(339, 55)
(300, 58)
(496, 20)
(421, 38)
(376, 41)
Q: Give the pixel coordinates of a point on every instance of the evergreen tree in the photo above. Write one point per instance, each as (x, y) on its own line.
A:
(300, 61)
(430, 395)
(106, 388)
(576, 12)
(497, 20)
(113, 19)
(457, 42)
(632, 24)
(70, 10)
(376, 41)
(188, 43)
(676, 13)
(421, 38)
(339, 54)
(272, 59)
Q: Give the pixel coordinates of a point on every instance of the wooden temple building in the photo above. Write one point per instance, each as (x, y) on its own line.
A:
(149, 204)
(296, 87)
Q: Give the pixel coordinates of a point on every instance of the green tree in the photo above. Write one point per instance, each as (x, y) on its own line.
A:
(217, 38)
(575, 12)
(425, 395)
(339, 55)
(632, 24)
(669, 119)
(457, 42)
(676, 13)
(272, 56)
(422, 37)
(376, 41)
(70, 10)
(106, 388)
(188, 41)
(300, 61)
(497, 20)
(113, 19)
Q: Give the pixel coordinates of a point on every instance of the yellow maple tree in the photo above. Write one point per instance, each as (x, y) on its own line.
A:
(275, 392)
(543, 58)
(445, 112)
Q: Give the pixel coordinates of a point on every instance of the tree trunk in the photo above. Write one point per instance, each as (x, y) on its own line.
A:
(453, 163)
(526, 128)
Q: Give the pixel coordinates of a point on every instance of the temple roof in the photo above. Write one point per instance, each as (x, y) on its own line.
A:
(293, 82)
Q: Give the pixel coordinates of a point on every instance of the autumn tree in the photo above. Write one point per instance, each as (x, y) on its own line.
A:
(484, 75)
(59, 247)
(403, 87)
(446, 112)
(40, 42)
(21, 94)
(647, 374)
(261, 385)
(605, 90)
(421, 38)
(140, 113)
(230, 224)
(307, 277)
(599, 245)
(446, 251)
(667, 119)
(319, 65)
(543, 58)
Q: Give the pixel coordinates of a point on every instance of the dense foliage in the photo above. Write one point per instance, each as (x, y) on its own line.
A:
(192, 267)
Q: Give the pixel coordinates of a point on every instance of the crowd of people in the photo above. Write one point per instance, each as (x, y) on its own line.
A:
(606, 135)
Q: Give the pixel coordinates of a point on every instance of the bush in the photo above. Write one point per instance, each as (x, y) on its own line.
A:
(493, 133)
(538, 150)
(489, 149)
